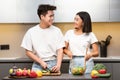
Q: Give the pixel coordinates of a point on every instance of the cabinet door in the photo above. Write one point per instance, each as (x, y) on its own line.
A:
(109, 69)
(27, 65)
(66, 9)
(115, 10)
(65, 67)
(7, 11)
(4, 69)
(116, 71)
(27, 10)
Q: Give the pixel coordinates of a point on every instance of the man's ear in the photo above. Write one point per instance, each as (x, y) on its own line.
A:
(42, 16)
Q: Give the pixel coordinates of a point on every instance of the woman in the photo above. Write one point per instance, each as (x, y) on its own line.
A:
(78, 42)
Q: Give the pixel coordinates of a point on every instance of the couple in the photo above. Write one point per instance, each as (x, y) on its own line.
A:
(45, 45)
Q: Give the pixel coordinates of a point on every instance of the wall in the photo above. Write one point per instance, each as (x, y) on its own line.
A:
(13, 33)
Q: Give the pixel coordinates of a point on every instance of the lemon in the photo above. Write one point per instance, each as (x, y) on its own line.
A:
(94, 72)
(39, 73)
(10, 71)
(28, 71)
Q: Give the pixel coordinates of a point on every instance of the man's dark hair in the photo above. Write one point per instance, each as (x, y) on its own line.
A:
(87, 26)
(44, 8)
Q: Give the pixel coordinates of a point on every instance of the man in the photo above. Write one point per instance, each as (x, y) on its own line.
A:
(44, 42)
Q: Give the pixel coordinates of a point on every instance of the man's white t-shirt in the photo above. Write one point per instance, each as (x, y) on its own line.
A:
(79, 43)
(44, 42)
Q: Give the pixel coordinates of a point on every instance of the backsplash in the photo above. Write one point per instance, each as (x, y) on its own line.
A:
(12, 34)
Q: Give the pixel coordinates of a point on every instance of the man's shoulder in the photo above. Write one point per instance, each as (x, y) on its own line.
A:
(33, 28)
(55, 27)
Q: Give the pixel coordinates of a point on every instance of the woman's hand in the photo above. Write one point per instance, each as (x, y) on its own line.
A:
(88, 56)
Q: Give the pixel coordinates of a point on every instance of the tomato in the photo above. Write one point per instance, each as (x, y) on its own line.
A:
(102, 71)
(94, 76)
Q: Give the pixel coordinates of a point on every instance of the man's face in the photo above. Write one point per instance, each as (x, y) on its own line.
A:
(48, 18)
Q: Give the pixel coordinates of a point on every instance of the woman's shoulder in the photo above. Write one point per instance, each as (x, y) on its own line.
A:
(70, 31)
(91, 33)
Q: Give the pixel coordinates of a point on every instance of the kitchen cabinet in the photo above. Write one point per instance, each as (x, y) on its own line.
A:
(109, 68)
(20, 11)
(4, 67)
(66, 9)
(27, 13)
(116, 71)
(8, 11)
(65, 67)
(111, 64)
(115, 10)
(23, 65)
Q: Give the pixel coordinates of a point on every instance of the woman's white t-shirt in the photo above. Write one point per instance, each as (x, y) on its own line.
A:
(44, 42)
(79, 43)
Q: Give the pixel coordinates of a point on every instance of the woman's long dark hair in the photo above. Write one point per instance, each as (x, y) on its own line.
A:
(87, 26)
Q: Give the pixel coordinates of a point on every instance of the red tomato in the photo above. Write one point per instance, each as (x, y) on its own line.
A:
(102, 71)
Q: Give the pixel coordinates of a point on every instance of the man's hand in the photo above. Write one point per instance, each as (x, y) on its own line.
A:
(44, 65)
(56, 68)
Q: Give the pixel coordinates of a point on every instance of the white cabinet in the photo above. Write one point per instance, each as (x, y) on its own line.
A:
(20, 11)
(66, 9)
(115, 10)
(27, 10)
(7, 11)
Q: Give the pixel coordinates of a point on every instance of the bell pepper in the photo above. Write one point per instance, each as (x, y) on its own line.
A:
(95, 76)
(102, 71)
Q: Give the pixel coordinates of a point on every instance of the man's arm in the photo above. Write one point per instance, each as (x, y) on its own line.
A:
(59, 60)
(31, 55)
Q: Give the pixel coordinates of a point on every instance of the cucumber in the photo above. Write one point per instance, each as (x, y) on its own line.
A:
(45, 71)
(107, 75)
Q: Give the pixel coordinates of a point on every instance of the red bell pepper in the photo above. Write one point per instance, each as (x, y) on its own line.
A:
(102, 71)
(95, 76)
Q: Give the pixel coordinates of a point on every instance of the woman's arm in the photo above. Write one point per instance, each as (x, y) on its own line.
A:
(94, 52)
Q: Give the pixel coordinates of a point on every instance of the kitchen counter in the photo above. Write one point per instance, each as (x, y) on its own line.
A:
(111, 63)
(66, 59)
(62, 77)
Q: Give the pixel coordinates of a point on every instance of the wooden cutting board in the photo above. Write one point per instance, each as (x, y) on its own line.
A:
(52, 74)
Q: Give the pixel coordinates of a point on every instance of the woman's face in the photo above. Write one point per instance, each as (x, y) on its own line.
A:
(78, 23)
